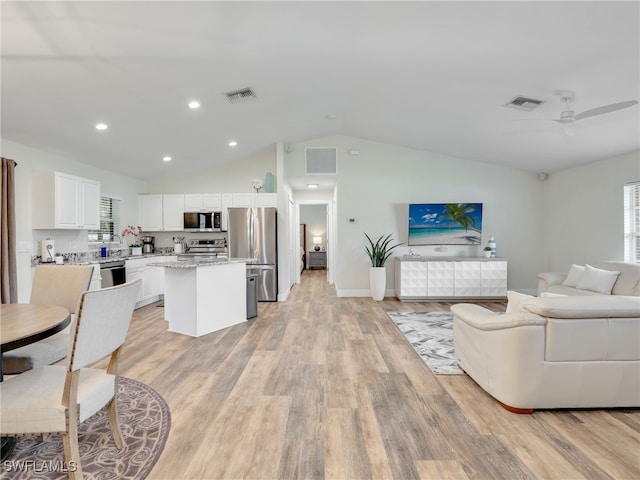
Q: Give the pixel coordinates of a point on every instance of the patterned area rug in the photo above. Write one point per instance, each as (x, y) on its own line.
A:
(431, 336)
(144, 422)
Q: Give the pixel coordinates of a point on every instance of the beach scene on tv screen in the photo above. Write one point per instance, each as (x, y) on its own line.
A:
(445, 224)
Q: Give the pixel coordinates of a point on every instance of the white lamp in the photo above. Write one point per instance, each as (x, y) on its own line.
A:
(317, 241)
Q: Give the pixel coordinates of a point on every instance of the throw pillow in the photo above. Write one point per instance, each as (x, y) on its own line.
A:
(550, 294)
(515, 301)
(574, 276)
(597, 280)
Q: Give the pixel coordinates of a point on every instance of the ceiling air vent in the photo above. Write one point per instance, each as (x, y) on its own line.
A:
(321, 160)
(524, 103)
(241, 95)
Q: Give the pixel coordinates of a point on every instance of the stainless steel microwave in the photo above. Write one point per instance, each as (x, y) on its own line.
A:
(202, 221)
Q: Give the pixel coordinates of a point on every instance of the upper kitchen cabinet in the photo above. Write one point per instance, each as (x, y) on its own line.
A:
(266, 200)
(150, 212)
(173, 212)
(63, 201)
(254, 199)
(199, 202)
(161, 212)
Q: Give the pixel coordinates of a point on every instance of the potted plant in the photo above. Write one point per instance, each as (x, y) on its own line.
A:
(487, 251)
(379, 251)
(136, 244)
(59, 258)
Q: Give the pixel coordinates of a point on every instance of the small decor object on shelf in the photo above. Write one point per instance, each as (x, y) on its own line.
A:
(269, 183)
(136, 245)
(257, 184)
(487, 251)
(492, 246)
(59, 259)
(378, 253)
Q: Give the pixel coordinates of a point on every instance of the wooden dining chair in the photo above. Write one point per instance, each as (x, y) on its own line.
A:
(52, 285)
(56, 398)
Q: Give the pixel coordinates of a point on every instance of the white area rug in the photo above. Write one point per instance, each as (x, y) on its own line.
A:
(431, 335)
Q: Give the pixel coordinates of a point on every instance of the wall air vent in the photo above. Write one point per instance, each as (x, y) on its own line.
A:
(321, 160)
(524, 103)
(241, 95)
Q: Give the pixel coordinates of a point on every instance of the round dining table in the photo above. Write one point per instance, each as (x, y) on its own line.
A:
(22, 324)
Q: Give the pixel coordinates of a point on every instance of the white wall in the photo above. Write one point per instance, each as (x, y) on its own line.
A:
(583, 212)
(30, 160)
(376, 187)
(234, 177)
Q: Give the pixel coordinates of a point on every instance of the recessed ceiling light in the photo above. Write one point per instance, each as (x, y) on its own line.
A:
(331, 116)
(101, 126)
(233, 143)
(166, 158)
(312, 185)
(193, 104)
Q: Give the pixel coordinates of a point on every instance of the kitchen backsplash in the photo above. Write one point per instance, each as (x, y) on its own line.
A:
(94, 255)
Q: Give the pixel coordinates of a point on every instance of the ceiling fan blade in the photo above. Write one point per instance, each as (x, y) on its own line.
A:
(605, 109)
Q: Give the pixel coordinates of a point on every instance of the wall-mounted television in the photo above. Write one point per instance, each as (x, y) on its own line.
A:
(445, 224)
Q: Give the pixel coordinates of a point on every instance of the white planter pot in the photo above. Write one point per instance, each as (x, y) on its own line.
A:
(136, 250)
(377, 282)
(487, 253)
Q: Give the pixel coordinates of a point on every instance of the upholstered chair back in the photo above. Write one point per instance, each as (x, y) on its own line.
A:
(102, 323)
(60, 285)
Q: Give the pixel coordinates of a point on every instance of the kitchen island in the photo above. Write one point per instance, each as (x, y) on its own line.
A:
(203, 296)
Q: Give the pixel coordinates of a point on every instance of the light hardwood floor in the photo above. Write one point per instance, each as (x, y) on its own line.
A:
(327, 387)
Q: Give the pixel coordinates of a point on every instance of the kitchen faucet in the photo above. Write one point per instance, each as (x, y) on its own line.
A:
(111, 241)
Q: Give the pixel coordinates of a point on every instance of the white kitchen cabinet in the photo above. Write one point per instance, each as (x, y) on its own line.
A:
(194, 202)
(266, 200)
(244, 199)
(161, 212)
(226, 200)
(152, 285)
(89, 204)
(450, 278)
(173, 212)
(63, 201)
(150, 212)
(96, 278)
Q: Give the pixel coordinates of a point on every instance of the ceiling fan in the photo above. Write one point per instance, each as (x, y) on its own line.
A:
(568, 117)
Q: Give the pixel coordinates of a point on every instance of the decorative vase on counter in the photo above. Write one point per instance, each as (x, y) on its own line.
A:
(492, 245)
(136, 250)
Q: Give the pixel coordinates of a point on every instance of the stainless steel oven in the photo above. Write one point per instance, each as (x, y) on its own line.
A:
(113, 273)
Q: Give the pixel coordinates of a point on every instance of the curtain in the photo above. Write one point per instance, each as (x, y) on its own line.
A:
(8, 275)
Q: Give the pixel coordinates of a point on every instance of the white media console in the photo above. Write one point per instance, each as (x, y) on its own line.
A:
(450, 278)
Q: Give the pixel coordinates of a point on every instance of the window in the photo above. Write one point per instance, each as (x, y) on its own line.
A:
(109, 221)
(632, 222)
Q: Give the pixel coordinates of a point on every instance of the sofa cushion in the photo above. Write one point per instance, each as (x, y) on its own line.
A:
(628, 282)
(574, 276)
(515, 301)
(567, 291)
(592, 306)
(597, 280)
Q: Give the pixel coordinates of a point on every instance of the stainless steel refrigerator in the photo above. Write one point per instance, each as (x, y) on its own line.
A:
(253, 234)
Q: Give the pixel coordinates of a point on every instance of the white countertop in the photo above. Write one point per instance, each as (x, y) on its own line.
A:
(197, 263)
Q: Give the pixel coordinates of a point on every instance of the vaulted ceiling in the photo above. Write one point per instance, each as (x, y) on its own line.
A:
(425, 75)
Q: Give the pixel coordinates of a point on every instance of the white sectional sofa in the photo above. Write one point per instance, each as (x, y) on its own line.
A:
(554, 352)
(568, 283)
